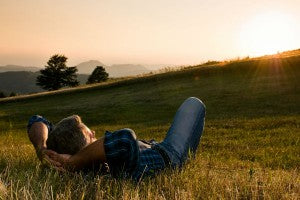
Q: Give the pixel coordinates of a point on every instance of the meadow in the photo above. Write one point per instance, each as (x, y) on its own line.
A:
(249, 150)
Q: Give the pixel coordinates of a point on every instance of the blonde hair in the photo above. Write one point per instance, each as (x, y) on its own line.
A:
(67, 136)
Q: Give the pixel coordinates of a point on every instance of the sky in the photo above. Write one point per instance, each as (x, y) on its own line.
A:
(167, 32)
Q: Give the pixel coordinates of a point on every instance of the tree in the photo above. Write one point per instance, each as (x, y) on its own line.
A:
(57, 75)
(12, 94)
(2, 95)
(98, 75)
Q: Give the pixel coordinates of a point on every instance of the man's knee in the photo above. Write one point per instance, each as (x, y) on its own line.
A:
(195, 103)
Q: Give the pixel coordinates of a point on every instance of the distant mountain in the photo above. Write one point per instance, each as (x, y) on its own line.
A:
(118, 70)
(7, 68)
(22, 82)
(126, 70)
(114, 70)
(89, 66)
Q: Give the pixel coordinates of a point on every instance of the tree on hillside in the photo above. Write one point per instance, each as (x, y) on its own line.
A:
(98, 75)
(2, 95)
(57, 75)
(12, 94)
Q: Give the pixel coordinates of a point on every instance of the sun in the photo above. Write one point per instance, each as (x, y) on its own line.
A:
(267, 33)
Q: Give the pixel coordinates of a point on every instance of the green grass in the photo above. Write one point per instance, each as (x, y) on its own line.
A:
(250, 147)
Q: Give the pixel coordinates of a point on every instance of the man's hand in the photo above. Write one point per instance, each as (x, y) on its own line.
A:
(56, 160)
(60, 158)
(87, 156)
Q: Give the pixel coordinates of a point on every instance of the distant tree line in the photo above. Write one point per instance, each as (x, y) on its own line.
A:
(57, 75)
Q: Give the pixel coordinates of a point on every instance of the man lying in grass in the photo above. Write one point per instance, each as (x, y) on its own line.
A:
(71, 145)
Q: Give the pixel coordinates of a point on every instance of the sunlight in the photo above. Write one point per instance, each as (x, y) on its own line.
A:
(267, 33)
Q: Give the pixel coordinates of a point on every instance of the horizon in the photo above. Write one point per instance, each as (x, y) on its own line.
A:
(160, 66)
(147, 33)
(149, 67)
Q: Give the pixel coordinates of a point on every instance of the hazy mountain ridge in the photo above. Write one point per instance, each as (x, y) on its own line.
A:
(119, 70)
(7, 68)
(88, 66)
(116, 70)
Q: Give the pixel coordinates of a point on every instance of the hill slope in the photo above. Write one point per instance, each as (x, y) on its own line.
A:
(20, 82)
(249, 148)
(239, 82)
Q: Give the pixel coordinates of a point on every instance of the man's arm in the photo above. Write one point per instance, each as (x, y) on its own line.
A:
(90, 154)
(38, 135)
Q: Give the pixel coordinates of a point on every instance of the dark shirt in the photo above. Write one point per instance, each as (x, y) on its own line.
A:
(128, 157)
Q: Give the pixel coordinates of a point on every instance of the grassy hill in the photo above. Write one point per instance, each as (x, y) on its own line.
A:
(250, 146)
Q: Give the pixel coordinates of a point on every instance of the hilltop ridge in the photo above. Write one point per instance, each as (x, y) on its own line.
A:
(246, 65)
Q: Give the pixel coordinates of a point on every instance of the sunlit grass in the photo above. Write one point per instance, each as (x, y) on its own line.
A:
(237, 159)
(249, 150)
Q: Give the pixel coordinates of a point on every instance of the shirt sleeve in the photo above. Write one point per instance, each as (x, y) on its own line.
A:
(38, 118)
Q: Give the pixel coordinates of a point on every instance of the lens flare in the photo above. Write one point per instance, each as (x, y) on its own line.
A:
(267, 33)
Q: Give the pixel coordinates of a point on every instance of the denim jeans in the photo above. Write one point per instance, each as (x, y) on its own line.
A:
(185, 132)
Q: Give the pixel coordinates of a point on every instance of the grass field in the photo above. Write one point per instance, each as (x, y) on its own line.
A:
(249, 150)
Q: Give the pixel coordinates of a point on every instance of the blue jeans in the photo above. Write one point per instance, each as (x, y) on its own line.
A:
(185, 132)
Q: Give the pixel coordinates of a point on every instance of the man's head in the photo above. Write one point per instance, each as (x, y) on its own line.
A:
(69, 136)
